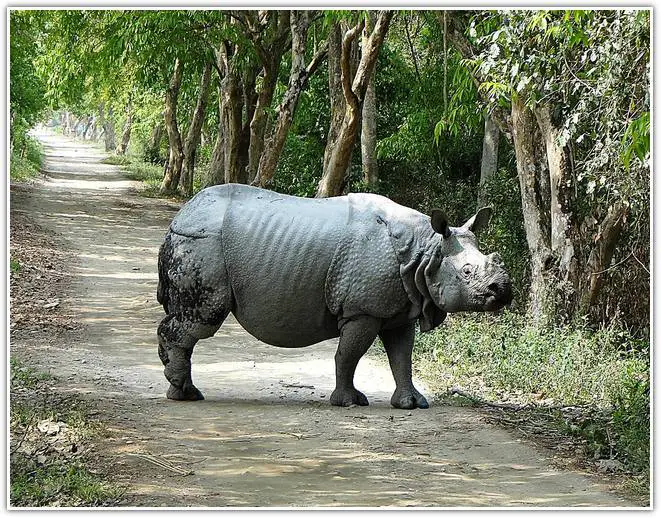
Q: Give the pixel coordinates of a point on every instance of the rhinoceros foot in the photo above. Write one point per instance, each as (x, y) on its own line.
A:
(187, 393)
(348, 397)
(408, 399)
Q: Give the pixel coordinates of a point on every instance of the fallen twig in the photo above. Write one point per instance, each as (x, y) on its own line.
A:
(296, 385)
(162, 463)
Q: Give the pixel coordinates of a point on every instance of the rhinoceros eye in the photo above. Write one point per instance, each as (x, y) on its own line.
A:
(467, 270)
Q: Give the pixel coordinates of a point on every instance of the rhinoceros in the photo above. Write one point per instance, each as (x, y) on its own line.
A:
(297, 271)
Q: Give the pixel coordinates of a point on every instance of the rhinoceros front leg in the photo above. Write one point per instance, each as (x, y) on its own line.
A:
(176, 340)
(398, 343)
(356, 336)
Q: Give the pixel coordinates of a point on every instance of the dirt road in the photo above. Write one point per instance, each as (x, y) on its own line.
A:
(266, 434)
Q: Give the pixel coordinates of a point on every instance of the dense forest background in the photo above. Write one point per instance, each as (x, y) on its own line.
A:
(545, 115)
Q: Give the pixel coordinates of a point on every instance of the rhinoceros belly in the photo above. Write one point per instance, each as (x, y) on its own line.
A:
(277, 254)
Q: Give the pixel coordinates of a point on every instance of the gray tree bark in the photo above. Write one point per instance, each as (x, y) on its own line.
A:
(368, 126)
(231, 110)
(109, 131)
(126, 132)
(338, 152)
(270, 41)
(532, 170)
(489, 162)
(216, 173)
(152, 151)
(176, 156)
(194, 131)
(285, 113)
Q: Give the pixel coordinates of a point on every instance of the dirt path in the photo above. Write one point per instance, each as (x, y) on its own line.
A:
(266, 434)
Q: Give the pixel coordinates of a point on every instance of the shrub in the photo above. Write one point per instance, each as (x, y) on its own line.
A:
(506, 357)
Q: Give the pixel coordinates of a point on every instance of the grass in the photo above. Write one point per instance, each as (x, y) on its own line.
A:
(58, 484)
(505, 358)
(40, 473)
(25, 161)
(14, 266)
(136, 169)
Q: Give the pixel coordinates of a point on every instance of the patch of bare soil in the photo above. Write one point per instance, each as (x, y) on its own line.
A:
(39, 276)
(265, 436)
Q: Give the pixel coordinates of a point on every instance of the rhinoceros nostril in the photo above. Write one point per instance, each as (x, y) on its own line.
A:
(494, 289)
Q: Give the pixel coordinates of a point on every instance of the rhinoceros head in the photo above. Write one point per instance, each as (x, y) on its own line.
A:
(461, 278)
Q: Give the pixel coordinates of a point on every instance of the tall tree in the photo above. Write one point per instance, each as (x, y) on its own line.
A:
(368, 125)
(126, 132)
(338, 150)
(489, 162)
(568, 108)
(268, 32)
(298, 77)
(194, 132)
(173, 166)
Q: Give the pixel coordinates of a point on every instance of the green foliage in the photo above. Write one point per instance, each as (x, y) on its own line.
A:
(59, 485)
(630, 418)
(14, 266)
(25, 165)
(26, 88)
(606, 370)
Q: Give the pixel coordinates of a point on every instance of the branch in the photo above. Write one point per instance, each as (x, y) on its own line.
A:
(370, 50)
(345, 64)
(317, 59)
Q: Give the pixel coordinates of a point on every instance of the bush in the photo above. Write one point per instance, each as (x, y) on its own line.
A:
(508, 358)
(25, 161)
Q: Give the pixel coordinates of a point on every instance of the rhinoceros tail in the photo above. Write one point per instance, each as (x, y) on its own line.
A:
(162, 289)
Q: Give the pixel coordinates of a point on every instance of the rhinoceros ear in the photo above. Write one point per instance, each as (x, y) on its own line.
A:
(479, 221)
(439, 222)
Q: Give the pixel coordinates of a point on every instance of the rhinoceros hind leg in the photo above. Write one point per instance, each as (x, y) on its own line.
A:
(176, 342)
(356, 336)
(398, 343)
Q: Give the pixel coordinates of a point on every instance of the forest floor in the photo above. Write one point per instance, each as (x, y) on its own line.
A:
(266, 435)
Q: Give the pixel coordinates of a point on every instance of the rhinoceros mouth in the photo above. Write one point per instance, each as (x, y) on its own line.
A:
(493, 303)
(497, 296)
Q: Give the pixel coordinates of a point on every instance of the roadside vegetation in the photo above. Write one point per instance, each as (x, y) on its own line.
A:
(545, 115)
(50, 438)
(51, 433)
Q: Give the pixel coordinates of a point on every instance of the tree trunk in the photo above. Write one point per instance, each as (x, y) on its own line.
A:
(601, 254)
(109, 131)
(563, 230)
(368, 127)
(270, 49)
(339, 154)
(216, 174)
(250, 99)
(337, 101)
(89, 127)
(489, 156)
(535, 196)
(231, 112)
(194, 132)
(152, 152)
(297, 82)
(176, 156)
(126, 133)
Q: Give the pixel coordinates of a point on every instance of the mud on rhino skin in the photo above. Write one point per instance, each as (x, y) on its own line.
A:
(297, 271)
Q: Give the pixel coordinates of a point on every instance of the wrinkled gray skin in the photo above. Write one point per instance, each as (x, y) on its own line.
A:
(297, 271)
